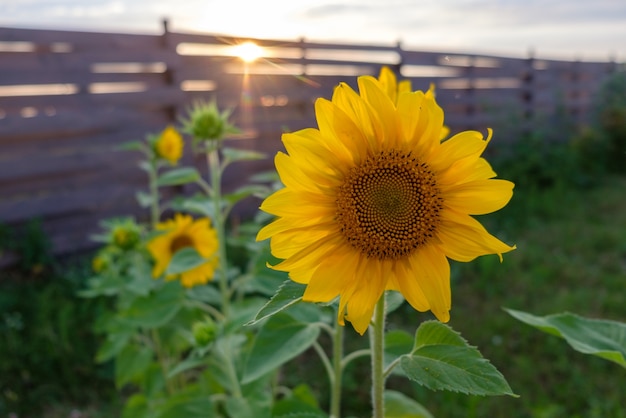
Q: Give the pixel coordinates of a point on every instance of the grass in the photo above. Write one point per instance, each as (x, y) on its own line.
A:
(571, 256)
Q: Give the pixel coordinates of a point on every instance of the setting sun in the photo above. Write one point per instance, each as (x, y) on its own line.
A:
(248, 51)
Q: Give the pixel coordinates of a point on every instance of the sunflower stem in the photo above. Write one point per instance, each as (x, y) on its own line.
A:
(162, 359)
(377, 344)
(335, 397)
(215, 169)
(154, 192)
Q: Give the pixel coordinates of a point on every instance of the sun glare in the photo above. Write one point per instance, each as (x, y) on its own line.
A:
(248, 51)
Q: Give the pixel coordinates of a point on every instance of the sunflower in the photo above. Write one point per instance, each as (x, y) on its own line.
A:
(374, 200)
(169, 145)
(179, 233)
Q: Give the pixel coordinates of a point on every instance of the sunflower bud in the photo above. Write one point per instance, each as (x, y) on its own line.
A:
(204, 332)
(207, 123)
(99, 264)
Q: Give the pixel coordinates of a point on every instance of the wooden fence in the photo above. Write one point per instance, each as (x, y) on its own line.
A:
(67, 99)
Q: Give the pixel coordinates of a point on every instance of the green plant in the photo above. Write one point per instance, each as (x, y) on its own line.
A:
(47, 341)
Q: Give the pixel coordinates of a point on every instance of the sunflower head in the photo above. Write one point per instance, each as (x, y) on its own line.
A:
(374, 200)
(169, 145)
(183, 232)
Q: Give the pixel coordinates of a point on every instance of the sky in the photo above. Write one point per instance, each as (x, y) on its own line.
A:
(561, 29)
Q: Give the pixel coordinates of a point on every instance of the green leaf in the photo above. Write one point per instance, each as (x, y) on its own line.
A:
(240, 408)
(601, 338)
(132, 146)
(397, 344)
(393, 301)
(131, 363)
(245, 191)
(187, 406)
(113, 344)
(205, 293)
(144, 199)
(289, 293)
(200, 205)
(398, 405)
(281, 339)
(184, 260)
(178, 176)
(136, 407)
(235, 154)
(190, 362)
(156, 309)
(442, 360)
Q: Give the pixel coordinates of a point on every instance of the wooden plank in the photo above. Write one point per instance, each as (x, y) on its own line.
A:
(68, 123)
(80, 40)
(155, 98)
(47, 76)
(57, 202)
(84, 60)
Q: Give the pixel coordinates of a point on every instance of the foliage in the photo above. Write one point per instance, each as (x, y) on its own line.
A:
(47, 341)
(602, 338)
(29, 243)
(610, 121)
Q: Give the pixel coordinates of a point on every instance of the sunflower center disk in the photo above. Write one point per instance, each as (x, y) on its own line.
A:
(180, 242)
(389, 205)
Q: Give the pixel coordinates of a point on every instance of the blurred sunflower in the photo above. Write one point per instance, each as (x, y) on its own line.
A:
(169, 145)
(182, 232)
(374, 200)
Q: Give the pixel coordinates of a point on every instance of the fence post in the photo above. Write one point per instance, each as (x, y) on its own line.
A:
(168, 74)
(470, 109)
(400, 63)
(528, 94)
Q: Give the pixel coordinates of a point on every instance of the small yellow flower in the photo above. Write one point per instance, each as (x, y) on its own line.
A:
(169, 145)
(98, 264)
(179, 233)
(374, 200)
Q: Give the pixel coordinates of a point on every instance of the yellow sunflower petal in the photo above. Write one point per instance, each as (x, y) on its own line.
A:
(463, 238)
(406, 281)
(432, 274)
(384, 113)
(290, 242)
(388, 83)
(463, 145)
(466, 170)
(286, 202)
(363, 299)
(479, 197)
(352, 106)
(332, 276)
